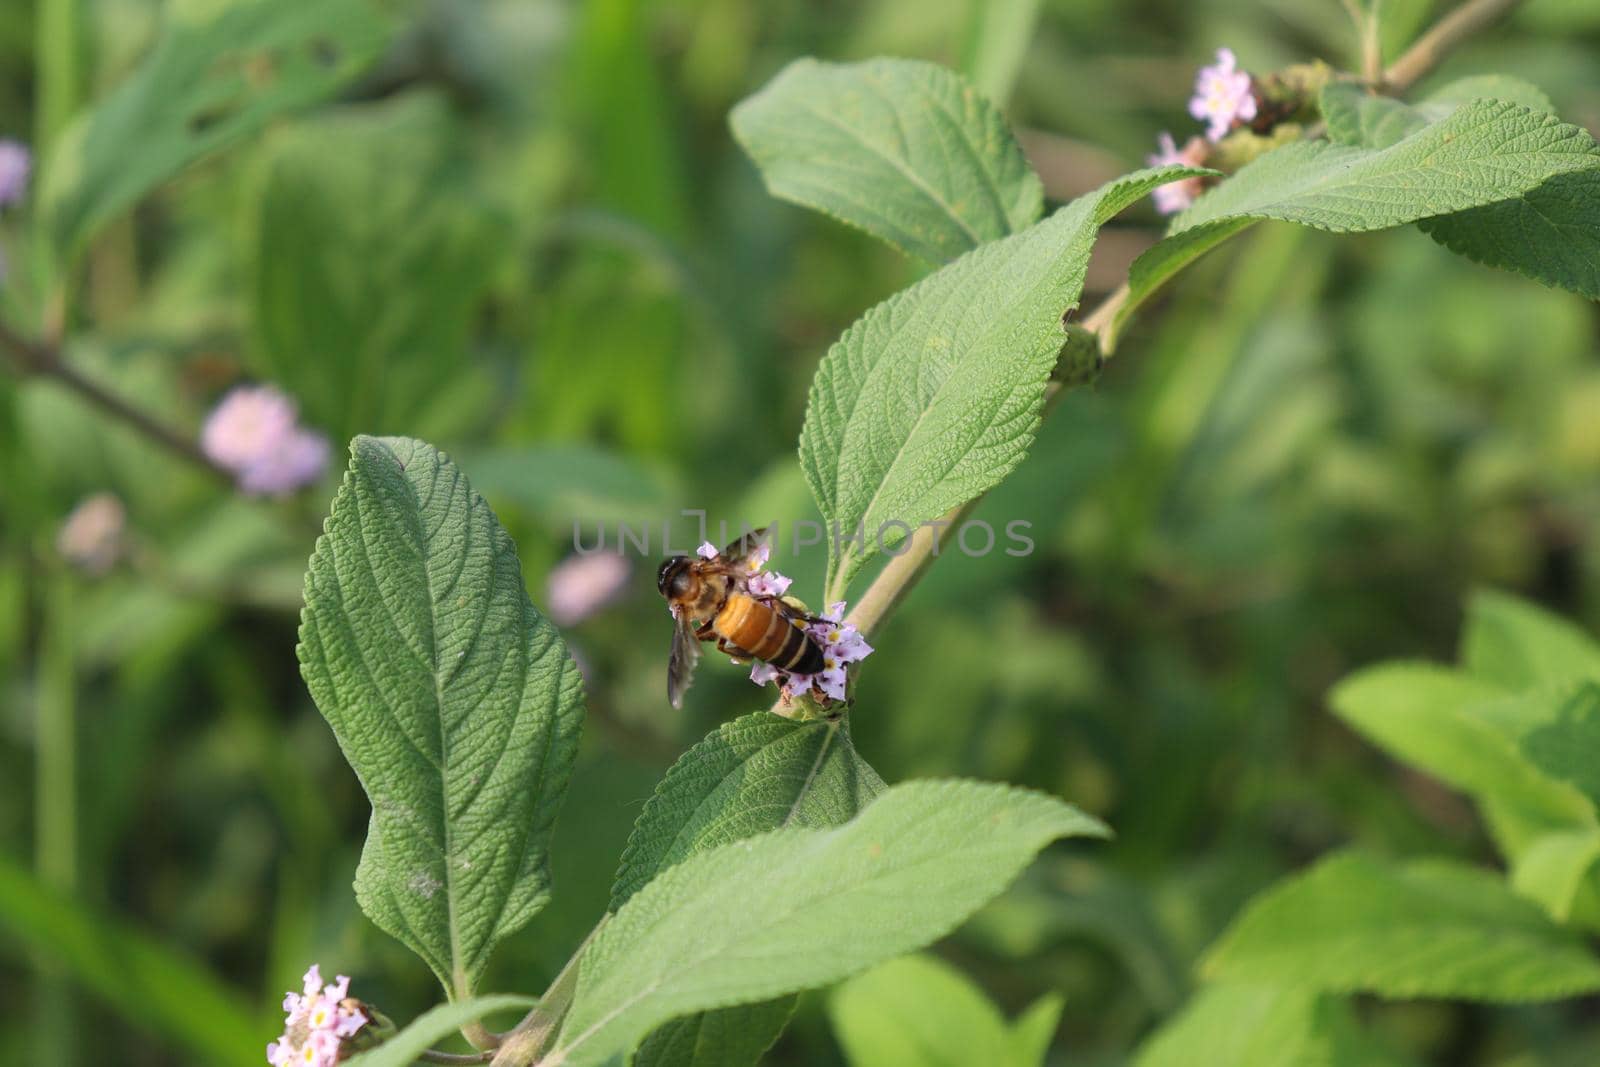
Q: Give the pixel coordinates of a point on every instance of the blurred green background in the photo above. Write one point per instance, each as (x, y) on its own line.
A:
(526, 235)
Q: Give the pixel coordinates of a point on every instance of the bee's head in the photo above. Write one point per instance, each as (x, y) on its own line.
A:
(674, 578)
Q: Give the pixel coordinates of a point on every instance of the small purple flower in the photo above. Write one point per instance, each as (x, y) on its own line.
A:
(298, 461)
(1176, 196)
(581, 585)
(1222, 96)
(16, 164)
(255, 433)
(317, 1024)
(769, 583)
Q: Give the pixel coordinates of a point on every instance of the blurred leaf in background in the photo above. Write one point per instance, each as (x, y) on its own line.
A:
(526, 229)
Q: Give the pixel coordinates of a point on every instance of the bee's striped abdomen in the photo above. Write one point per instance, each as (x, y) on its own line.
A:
(767, 635)
(799, 653)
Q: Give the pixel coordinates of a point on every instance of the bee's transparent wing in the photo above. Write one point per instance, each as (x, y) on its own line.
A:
(741, 549)
(680, 663)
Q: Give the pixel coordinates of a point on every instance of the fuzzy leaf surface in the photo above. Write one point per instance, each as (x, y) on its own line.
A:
(1483, 153)
(795, 909)
(758, 773)
(906, 150)
(453, 699)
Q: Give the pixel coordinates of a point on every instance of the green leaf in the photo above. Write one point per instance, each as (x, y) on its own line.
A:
(454, 700)
(1447, 98)
(758, 773)
(403, 1048)
(933, 396)
(905, 150)
(1483, 153)
(918, 1011)
(1567, 748)
(1428, 929)
(373, 250)
(1035, 1030)
(727, 1037)
(1554, 869)
(1357, 117)
(150, 984)
(795, 909)
(1550, 234)
(1459, 729)
(221, 70)
(1240, 1025)
(1515, 644)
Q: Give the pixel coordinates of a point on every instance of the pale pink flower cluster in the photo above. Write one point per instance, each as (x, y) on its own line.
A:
(1223, 96)
(255, 433)
(317, 1023)
(841, 642)
(581, 585)
(1177, 196)
(761, 582)
(91, 538)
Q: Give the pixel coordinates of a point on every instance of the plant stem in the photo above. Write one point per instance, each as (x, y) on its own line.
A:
(1441, 39)
(435, 1056)
(1372, 45)
(480, 1036)
(44, 361)
(526, 1043)
(1367, 26)
(59, 46)
(56, 807)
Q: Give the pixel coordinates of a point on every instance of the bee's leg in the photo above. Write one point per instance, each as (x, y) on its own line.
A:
(705, 633)
(792, 609)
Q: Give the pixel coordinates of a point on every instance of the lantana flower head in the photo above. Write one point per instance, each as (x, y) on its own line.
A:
(841, 642)
(1177, 196)
(319, 1023)
(255, 433)
(581, 585)
(1223, 96)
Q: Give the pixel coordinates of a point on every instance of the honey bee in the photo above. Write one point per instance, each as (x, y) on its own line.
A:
(711, 601)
